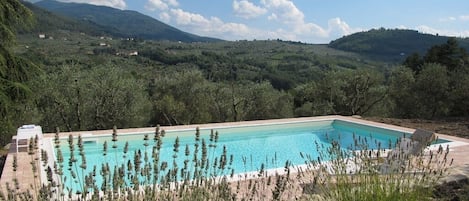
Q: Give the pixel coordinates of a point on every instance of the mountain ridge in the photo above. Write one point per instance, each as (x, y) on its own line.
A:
(46, 22)
(391, 44)
(388, 45)
(121, 23)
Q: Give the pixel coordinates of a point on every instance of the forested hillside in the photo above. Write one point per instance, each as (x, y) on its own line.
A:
(120, 23)
(48, 22)
(392, 45)
(96, 82)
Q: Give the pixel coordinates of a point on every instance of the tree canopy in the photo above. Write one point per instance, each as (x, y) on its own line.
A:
(90, 82)
(15, 71)
(434, 84)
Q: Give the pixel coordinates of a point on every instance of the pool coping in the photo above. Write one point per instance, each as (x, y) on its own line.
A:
(459, 147)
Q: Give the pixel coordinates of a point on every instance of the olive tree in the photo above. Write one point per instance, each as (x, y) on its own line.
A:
(432, 90)
(312, 99)
(186, 97)
(262, 101)
(114, 97)
(459, 92)
(402, 92)
(99, 98)
(347, 92)
(180, 98)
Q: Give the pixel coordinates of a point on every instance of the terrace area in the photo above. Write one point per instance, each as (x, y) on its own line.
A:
(29, 179)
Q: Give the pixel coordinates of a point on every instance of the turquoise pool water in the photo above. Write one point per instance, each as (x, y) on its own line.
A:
(249, 147)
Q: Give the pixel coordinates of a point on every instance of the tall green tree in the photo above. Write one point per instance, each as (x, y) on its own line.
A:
(313, 99)
(180, 98)
(56, 95)
(459, 92)
(75, 98)
(15, 71)
(440, 87)
(449, 54)
(414, 62)
(346, 92)
(115, 98)
(262, 101)
(402, 92)
(186, 97)
(432, 88)
(360, 91)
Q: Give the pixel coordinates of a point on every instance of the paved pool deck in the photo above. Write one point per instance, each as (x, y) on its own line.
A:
(459, 147)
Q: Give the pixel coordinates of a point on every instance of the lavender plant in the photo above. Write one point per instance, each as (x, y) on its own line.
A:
(352, 173)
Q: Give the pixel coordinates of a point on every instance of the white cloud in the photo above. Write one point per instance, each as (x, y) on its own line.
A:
(153, 5)
(336, 25)
(427, 29)
(444, 32)
(402, 27)
(187, 18)
(312, 32)
(289, 22)
(447, 19)
(452, 19)
(174, 3)
(120, 4)
(284, 11)
(310, 29)
(212, 26)
(464, 17)
(247, 10)
(272, 16)
(282, 34)
(165, 17)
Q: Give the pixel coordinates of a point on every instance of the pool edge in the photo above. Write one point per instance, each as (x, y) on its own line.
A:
(459, 150)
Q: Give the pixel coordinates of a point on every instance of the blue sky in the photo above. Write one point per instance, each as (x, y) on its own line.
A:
(311, 21)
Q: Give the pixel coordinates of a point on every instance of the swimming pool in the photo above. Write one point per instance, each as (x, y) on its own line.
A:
(237, 148)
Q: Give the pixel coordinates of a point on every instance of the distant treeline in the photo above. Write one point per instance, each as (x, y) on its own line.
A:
(82, 85)
(391, 44)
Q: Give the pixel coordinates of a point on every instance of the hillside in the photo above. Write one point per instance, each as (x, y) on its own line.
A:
(120, 23)
(392, 45)
(48, 22)
(282, 63)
